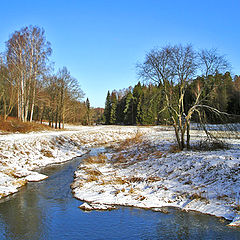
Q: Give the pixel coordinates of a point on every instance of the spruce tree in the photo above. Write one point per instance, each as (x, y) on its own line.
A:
(128, 110)
(107, 110)
(113, 116)
(88, 111)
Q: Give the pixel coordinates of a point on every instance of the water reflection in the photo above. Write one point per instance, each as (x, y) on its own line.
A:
(47, 210)
(21, 216)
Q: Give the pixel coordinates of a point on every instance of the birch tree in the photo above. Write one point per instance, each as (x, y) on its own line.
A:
(27, 55)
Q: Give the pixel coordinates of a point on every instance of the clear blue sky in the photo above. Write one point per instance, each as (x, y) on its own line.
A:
(100, 41)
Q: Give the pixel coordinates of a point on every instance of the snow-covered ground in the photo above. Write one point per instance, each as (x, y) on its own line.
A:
(22, 154)
(144, 171)
(147, 172)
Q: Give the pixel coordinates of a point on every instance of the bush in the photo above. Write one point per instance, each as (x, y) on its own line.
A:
(210, 145)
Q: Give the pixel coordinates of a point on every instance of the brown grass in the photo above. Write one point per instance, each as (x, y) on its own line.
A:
(135, 179)
(198, 197)
(20, 182)
(93, 172)
(174, 149)
(13, 125)
(137, 139)
(157, 154)
(46, 153)
(140, 198)
(92, 178)
(237, 207)
(100, 159)
(131, 190)
(153, 179)
(10, 172)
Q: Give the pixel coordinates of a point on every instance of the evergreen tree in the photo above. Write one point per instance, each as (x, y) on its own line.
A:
(88, 111)
(120, 109)
(107, 110)
(137, 95)
(113, 117)
(128, 110)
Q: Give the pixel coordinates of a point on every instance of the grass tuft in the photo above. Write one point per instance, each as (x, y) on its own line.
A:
(46, 153)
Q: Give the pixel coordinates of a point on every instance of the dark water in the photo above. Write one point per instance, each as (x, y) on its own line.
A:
(47, 210)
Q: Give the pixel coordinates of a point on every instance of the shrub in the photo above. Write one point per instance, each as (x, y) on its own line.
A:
(210, 145)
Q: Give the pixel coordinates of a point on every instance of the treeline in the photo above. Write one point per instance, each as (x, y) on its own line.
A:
(29, 88)
(143, 104)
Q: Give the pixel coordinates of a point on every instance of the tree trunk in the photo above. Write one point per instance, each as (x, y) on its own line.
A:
(177, 136)
(188, 134)
(56, 118)
(33, 101)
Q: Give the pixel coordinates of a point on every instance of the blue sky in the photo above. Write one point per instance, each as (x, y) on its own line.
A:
(100, 41)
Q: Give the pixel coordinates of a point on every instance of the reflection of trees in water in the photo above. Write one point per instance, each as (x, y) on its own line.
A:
(22, 216)
(192, 225)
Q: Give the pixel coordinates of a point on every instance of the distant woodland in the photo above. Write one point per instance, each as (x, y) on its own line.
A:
(142, 104)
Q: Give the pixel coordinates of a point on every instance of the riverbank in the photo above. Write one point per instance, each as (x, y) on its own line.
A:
(148, 172)
(22, 154)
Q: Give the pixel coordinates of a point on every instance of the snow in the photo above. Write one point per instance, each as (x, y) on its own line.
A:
(21, 155)
(101, 207)
(144, 172)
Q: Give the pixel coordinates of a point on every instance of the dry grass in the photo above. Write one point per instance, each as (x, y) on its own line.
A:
(198, 196)
(10, 172)
(92, 178)
(93, 172)
(237, 207)
(100, 159)
(131, 190)
(20, 182)
(140, 198)
(137, 139)
(119, 158)
(13, 125)
(174, 149)
(119, 180)
(46, 153)
(157, 154)
(153, 179)
(135, 179)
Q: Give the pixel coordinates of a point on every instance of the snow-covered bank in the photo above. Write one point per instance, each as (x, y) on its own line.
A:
(149, 173)
(22, 154)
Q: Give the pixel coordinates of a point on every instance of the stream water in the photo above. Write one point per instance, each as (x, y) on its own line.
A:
(47, 210)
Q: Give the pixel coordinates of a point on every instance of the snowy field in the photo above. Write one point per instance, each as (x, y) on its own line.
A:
(147, 172)
(22, 154)
(141, 168)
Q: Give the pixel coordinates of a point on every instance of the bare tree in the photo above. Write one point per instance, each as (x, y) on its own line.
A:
(8, 90)
(174, 67)
(27, 53)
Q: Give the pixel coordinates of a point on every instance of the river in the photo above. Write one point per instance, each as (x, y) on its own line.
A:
(47, 210)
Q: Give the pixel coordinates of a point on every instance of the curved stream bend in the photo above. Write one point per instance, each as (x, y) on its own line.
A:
(47, 210)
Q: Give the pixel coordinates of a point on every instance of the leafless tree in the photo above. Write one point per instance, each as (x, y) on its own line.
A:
(174, 67)
(8, 90)
(27, 54)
